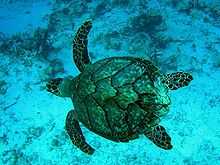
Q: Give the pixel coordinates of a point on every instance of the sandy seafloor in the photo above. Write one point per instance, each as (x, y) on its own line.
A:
(187, 39)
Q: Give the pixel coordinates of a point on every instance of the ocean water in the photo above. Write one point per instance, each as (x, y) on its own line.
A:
(36, 45)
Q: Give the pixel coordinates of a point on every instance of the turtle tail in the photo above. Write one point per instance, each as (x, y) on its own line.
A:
(177, 80)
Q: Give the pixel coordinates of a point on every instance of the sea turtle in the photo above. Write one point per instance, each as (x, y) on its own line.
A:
(118, 98)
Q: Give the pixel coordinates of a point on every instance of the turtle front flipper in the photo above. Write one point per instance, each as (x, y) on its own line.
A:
(159, 137)
(80, 41)
(177, 80)
(75, 133)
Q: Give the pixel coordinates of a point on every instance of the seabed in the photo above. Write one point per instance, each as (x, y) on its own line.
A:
(36, 43)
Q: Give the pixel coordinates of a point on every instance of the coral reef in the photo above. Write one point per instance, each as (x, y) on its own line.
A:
(110, 40)
(187, 5)
(59, 140)
(18, 156)
(191, 7)
(12, 156)
(102, 8)
(66, 11)
(214, 11)
(161, 40)
(121, 3)
(27, 44)
(33, 133)
(146, 22)
(3, 87)
(140, 44)
(55, 67)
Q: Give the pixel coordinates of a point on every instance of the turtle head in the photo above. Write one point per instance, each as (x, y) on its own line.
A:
(60, 86)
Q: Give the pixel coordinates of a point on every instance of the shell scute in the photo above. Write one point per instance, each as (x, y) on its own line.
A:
(97, 115)
(126, 95)
(104, 91)
(143, 85)
(128, 74)
(116, 117)
(86, 88)
(110, 68)
(136, 115)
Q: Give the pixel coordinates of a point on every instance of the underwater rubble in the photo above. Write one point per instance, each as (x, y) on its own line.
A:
(27, 44)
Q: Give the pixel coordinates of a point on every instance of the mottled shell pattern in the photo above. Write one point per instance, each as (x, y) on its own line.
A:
(120, 97)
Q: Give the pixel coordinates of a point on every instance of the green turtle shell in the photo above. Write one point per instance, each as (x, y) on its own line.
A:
(120, 97)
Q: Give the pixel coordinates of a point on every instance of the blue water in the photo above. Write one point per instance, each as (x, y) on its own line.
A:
(35, 45)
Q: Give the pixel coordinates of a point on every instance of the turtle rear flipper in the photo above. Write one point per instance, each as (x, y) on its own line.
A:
(159, 137)
(177, 80)
(80, 41)
(75, 133)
